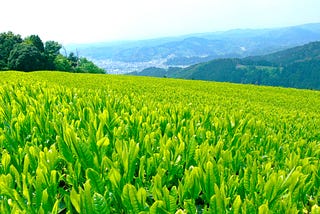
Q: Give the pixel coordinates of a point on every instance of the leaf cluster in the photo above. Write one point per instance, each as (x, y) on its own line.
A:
(104, 144)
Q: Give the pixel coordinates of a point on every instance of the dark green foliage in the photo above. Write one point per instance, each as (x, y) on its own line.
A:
(73, 59)
(86, 66)
(7, 43)
(52, 48)
(304, 74)
(308, 51)
(296, 67)
(61, 63)
(36, 41)
(30, 54)
(51, 51)
(25, 57)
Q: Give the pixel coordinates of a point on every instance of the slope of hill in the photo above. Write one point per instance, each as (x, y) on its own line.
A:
(191, 49)
(159, 72)
(299, 53)
(80, 143)
(297, 67)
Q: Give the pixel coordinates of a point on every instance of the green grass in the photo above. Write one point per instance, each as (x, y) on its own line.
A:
(120, 144)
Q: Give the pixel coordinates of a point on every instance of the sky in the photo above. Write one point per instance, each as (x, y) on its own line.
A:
(82, 21)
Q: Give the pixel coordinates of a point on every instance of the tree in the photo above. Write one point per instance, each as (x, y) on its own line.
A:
(36, 41)
(86, 66)
(25, 57)
(3, 63)
(51, 51)
(62, 63)
(30, 54)
(52, 48)
(7, 42)
(73, 60)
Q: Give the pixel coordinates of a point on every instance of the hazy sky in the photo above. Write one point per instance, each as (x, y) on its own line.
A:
(78, 21)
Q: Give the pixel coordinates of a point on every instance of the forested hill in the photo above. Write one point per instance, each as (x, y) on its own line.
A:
(297, 67)
(289, 56)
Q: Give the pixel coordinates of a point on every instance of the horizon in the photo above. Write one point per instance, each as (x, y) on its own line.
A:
(186, 35)
(79, 22)
(166, 37)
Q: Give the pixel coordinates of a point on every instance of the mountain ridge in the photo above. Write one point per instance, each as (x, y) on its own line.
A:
(297, 67)
(195, 48)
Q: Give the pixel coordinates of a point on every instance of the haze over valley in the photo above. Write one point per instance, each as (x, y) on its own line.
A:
(183, 51)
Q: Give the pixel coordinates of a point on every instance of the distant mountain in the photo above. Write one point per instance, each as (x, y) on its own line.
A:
(297, 67)
(296, 54)
(191, 49)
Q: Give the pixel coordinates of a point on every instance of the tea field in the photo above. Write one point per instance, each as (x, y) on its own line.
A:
(81, 143)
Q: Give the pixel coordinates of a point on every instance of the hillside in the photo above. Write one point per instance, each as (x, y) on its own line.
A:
(124, 57)
(159, 72)
(297, 54)
(297, 67)
(81, 143)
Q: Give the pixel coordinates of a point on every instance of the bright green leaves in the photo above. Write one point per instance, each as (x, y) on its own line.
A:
(5, 162)
(75, 200)
(65, 149)
(217, 202)
(100, 204)
(133, 200)
(190, 206)
(87, 201)
(264, 209)
(315, 209)
(95, 180)
(236, 205)
(192, 187)
(89, 144)
(210, 178)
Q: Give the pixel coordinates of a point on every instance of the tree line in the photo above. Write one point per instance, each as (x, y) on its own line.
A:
(31, 54)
